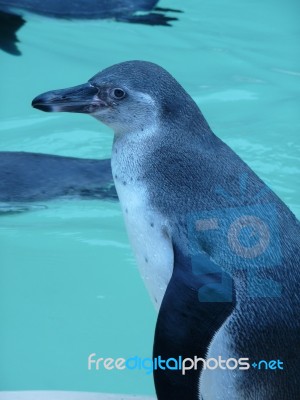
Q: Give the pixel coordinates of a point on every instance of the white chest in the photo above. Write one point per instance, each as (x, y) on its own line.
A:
(220, 383)
(148, 237)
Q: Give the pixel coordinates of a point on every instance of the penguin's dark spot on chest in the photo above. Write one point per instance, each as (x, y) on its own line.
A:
(126, 210)
(152, 224)
(116, 151)
(124, 183)
(146, 260)
(116, 176)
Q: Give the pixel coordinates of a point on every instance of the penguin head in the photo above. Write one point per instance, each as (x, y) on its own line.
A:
(129, 105)
(128, 97)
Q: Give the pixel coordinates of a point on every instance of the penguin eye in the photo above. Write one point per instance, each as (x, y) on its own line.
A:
(118, 93)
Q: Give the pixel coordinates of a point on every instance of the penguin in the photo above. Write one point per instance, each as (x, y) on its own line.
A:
(12, 13)
(30, 177)
(218, 250)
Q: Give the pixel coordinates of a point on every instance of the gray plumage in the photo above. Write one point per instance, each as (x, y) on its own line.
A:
(168, 165)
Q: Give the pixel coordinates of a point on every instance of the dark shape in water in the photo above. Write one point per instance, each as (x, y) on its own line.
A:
(11, 14)
(9, 25)
(28, 177)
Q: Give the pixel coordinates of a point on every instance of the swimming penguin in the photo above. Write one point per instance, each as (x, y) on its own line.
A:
(218, 250)
(28, 177)
(12, 13)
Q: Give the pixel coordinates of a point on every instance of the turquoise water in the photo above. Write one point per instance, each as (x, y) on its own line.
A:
(69, 283)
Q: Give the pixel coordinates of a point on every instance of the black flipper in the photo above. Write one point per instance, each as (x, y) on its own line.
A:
(9, 25)
(148, 19)
(186, 324)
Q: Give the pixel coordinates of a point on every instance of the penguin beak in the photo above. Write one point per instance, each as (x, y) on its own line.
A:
(77, 99)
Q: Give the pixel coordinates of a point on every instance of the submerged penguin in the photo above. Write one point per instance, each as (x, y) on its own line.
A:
(218, 250)
(30, 177)
(12, 14)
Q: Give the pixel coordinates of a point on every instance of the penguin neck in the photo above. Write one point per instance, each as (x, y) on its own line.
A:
(129, 150)
(141, 130)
